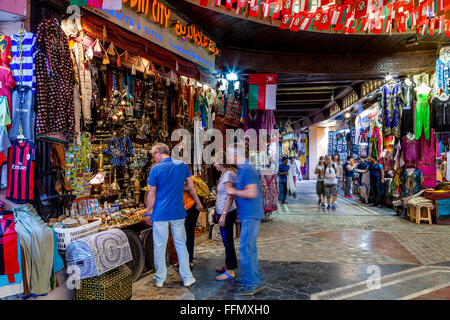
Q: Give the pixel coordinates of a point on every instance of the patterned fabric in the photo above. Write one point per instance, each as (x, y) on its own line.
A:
(9, 260)
(388, 161)
(412, 182)
(427, 150)
(410, 148)
(392, 105)
(269, 192)
(429, 175)
(442, 77)
(55, 79)
(99, 253)
(233, 112)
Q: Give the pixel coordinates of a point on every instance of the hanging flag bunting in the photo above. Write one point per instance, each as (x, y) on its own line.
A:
(262, 91)
(433, 22)
(229, 4)
(254, 11)
(266, 8)
(275, 9)
(305, 5)
(295, 24)
(217, 3)
(284, 23)
(400, 22)
(317, 17)
(306, 23)
(344, 10)
(361, 8)
(441, 24)
(99, 4)
(241, 6)
(447, 28)
(288, 8)
(325, 22)
(204, 3)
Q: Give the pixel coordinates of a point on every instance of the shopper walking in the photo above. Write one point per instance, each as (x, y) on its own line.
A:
(320, 189)
(294, 170)
(364, 180)
(227, 214)
(330, 173)
(348, 169)
(283, 172)
(190, 224)
(338, 165)
(165, 207)
(376, 172)
(247, 192)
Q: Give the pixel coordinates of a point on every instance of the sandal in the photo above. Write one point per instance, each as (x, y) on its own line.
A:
(230, 277)
(221, 269)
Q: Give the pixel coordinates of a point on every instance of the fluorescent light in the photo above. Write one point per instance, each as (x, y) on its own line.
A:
(389, 77)
(232, 76)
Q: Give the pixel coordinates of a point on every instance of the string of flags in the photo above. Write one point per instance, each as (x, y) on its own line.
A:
(348, 16)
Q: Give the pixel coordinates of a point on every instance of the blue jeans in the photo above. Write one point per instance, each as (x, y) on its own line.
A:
(248, 253)
(160, 236)
(283, 191)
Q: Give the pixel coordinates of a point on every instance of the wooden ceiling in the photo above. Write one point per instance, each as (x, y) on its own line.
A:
(312, 67)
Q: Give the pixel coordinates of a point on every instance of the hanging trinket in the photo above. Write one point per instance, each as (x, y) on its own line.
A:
(145, 73)
(97, 47)
(111, 50)
(139, 62)
(133, 70)
(106, 59)
(167, 82)
(176, 65)
(119, 63)
(125, 58)
(89, 54)
(105, 35)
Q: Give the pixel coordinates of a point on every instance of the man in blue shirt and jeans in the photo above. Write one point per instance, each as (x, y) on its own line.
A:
(247, 192)
(165, 206)
(283, 172)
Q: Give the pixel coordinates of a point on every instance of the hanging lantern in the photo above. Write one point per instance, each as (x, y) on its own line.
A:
(97, 47)
(106, 59)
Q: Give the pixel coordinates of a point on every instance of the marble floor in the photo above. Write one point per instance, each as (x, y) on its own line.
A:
(306, 252)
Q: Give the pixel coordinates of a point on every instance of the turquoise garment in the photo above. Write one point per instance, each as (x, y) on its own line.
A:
(442, 76)
(58, 263)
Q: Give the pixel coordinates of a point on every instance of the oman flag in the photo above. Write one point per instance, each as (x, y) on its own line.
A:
(100, 4)
(262, 91)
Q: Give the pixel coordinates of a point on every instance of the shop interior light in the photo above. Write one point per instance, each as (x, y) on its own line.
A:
(389, 77)
(348, 115)
(232, 76)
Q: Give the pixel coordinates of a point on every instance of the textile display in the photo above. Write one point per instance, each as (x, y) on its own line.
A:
(21, 171)
(15, 287)
(99, 253)
(412, 182)
(269, 192)
(39, 247)
(9, 259)
(440, 114)
(410, 148)
(422, 116)
(392, 105)
(233, 112)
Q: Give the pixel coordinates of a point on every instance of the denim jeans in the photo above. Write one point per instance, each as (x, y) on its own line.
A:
(248, 253)
(160, 236)
(348, 185)
(283, 191)
(190, 224)
(376, 189)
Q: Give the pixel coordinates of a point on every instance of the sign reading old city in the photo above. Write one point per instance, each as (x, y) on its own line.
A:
(189, 32)
(158, 13)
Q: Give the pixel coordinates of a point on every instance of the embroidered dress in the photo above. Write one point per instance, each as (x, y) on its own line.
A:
(442, 76)
(412, 182)
(410, 148)
(233, 112)
(392, 105)
(269, 192)
(409, 95)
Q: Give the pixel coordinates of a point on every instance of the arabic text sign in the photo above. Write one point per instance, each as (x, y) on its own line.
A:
(163, 37)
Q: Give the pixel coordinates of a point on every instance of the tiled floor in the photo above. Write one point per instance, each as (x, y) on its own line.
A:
(306, 252)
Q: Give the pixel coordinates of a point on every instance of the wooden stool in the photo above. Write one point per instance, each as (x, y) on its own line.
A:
(411, 212)
(418, 212)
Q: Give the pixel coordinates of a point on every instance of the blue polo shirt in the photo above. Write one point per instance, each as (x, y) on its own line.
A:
(249, 208)
(375, 171)
(168, 177)
(283, 168)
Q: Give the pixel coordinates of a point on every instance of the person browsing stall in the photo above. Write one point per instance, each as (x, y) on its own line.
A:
(283, 172)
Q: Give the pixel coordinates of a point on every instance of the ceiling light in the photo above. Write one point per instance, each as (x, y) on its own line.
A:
(388, 77)
(232, 76)
(348, 115)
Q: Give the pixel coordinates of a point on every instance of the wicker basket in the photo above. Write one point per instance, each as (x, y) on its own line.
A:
(66, 236)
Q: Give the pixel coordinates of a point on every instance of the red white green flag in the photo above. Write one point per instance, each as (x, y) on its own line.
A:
(288, 8)
(241, 6)
(285, 21)
(100, 4)
(262, 92)
(254, 11)
(275, 9)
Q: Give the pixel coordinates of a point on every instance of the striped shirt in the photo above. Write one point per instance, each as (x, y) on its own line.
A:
(28, 45)
(21, 171)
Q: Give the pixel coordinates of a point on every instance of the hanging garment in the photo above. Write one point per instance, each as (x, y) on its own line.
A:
(12, 286)
(412, 182)
(422, 116)
(22, 65)
(427, 151)
(220, 104)
(375, 143)
(23, 114)
(397, 185)
(392, 105)
(5, 50)
(388, 161)
(409, 95)
(440, 115)
(267, 121)
(302, 139)
(410, 148)
(38, 240)
(233, 112)
(55, 77)
(442, 76)
(9, 259)
(83, 73)
(253, 120)
(269, 192)
(21, 171)
(429, 175)
(6, 84)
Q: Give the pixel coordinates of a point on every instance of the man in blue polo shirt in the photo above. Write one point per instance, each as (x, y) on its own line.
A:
(165, 206)
(247, 192)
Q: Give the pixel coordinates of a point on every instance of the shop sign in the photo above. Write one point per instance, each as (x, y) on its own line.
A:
(155, 11)
(335, 109)
(197, 36)
(289, 136)
(158, 34)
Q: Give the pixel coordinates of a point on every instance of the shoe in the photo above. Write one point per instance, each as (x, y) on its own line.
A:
(319, 202)
(347, 197)
(190, 283)
(328, 207)
(333, 208)
(350, 197)
(159, 284)
(322, 205)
